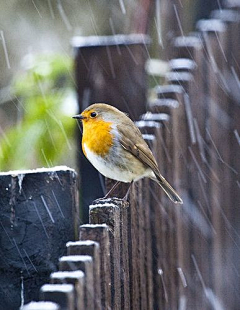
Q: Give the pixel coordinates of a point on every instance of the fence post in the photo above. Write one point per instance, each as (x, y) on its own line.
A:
(148, 240)
(179, 167)
(157, 221)
(35, 205)
(90, 248)
(85, 264)
(100, 234)
(108, 212)
(133, 235)
(109, 70)
(186, 47)
(230, 104)
(199, 211)
(233, 52)
(170, 249)
(220, 128)
(140, 206)
(193, 220)
(77, 279)
(62, 294)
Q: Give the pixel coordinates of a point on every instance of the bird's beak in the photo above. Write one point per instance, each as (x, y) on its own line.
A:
(79, 116)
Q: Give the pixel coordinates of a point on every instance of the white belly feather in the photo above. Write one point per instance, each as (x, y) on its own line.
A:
(113, 171)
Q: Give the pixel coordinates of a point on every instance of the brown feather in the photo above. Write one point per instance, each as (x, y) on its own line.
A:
(138, 148)
(141, 151)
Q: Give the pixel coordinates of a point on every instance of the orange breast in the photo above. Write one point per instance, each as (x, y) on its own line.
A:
(97, 136)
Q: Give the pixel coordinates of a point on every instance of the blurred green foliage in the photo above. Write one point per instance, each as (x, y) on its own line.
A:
(43, 135)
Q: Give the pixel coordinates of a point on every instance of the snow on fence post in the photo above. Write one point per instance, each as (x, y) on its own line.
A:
(109, 69)
(100, 234)
(40, 305)
(38, 215)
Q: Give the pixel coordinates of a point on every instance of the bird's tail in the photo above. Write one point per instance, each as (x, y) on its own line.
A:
(172, 194)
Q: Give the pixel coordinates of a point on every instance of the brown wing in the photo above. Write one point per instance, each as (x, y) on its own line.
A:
(132, 141)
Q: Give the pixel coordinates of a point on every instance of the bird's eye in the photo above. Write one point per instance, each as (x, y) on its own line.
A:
(93, 114)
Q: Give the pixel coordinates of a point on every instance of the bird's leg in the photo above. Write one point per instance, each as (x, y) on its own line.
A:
(111, 190)
(128, 191)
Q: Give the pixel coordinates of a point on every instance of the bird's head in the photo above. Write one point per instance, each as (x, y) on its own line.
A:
(99, 112)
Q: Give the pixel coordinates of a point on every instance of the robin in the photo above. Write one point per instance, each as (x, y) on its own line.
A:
(116, 148)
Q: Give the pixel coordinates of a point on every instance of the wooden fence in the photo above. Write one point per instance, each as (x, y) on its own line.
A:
(150, 253)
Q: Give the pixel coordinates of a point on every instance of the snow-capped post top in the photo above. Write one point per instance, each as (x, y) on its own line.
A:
(63, 294)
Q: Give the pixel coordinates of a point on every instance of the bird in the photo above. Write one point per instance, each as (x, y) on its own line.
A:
(115, 147)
